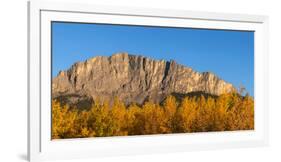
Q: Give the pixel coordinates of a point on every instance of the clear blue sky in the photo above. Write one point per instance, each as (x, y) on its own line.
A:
(228, 54)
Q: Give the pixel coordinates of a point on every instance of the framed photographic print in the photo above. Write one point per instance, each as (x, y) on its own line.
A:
(107, 81)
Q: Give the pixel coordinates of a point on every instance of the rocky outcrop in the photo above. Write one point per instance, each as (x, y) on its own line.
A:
(132, 78)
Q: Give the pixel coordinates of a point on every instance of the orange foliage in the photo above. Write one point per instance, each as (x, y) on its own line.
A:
(227, 112)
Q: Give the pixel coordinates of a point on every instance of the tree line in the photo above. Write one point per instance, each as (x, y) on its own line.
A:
(227, 112)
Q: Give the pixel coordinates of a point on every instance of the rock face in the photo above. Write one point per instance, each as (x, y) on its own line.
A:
(133, 79)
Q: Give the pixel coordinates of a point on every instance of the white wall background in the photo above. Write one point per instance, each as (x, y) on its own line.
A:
(13, 79)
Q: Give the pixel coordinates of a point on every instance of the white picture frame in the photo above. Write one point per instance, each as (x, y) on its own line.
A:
(40, 145)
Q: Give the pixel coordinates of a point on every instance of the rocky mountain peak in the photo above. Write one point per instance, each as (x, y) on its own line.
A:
(133, 79)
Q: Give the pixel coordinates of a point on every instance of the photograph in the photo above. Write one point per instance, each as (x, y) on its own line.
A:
(111, 80)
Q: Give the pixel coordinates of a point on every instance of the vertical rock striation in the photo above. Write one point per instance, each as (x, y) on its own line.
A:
(133, 79)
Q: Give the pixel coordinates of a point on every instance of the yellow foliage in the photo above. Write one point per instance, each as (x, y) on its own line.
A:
(227, 112)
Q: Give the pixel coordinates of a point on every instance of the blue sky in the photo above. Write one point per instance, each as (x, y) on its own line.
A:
(228, 54)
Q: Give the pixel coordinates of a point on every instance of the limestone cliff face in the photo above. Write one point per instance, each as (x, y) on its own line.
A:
(132, 78)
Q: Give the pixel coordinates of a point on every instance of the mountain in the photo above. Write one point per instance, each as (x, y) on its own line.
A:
(133, 79)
